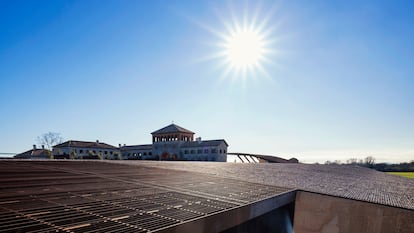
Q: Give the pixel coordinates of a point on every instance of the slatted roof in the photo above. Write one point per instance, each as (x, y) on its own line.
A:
(93, 196)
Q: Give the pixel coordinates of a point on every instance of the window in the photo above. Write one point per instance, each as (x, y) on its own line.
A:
(111, 152)
(206, 151)
(149, 153)
(192, 152)
(224, 151)
(214, 151)
(186, 152)
(145, 153)
(221, 151)
(199, 151)
(80, 151)
(106, 152)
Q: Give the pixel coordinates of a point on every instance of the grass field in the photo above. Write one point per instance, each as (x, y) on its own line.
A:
(403, 174)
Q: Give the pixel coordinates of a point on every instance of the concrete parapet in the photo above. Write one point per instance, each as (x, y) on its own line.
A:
(317, 213)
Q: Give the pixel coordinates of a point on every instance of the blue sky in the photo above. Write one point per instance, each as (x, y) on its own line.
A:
(339, 84)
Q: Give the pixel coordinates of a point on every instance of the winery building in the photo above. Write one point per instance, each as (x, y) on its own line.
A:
(176, 143)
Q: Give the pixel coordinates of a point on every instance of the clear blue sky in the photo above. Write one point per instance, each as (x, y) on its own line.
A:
(341, 84)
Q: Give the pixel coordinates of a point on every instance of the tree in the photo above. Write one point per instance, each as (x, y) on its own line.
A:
(73, 155)
(370, 161)
(49, 139)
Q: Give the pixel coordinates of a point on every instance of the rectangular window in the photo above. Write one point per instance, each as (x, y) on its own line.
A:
(186, 152)
(192, 151)
(206, 151)
(199, 151)
(106, 152)
(214, 151)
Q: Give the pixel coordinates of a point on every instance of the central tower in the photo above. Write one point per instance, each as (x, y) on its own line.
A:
(172, 133)
(166, 142)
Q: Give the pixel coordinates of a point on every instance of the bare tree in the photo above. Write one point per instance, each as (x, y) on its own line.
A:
(49, 139)
(370, 161)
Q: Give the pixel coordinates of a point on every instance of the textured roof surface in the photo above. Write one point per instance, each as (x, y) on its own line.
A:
(351, 182)
(33, 153)
(85, 144)
(203, 143)
(173, 128)
(93, 196)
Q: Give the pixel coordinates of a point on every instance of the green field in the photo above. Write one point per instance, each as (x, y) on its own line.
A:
(403, 174)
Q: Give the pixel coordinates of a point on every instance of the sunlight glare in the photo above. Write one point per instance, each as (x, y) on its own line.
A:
(244, 48)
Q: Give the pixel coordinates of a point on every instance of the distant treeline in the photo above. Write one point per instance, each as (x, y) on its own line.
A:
(369, 162)
(385, 167)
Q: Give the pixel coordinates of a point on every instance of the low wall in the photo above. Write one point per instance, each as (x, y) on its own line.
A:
(317, 213)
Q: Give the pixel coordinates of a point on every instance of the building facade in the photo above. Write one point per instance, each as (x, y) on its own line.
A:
(138, 152)
(169, 143)
(85, 150)
(176, 143)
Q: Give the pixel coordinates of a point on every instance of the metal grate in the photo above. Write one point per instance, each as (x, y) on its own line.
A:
(81, 196)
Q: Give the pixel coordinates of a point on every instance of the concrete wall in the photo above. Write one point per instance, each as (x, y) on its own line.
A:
(327, 214)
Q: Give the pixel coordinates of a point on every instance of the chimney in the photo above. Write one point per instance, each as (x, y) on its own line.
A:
(124, 144)
(198, 139)
(34, 147)
(43, 147)
(97, 141)
(119, 145)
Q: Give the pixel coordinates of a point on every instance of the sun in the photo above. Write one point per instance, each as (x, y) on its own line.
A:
(244, 49)
(245, 45)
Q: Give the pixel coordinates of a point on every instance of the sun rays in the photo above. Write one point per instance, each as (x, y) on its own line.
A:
(245, 44)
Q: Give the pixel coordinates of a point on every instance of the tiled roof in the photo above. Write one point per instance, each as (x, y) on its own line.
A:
(84, 144)
(137, 147)
(345, 181)
(173, 128)
(203, 143)
(33, 153)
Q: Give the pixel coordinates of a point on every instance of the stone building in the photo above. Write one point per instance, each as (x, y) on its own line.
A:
(176, 143)
(35, 153)
(138, 152)
(85, 150)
